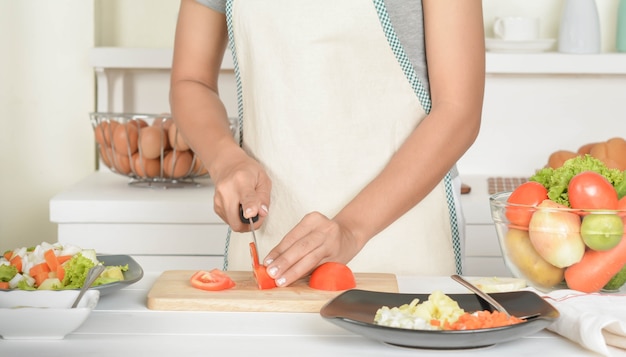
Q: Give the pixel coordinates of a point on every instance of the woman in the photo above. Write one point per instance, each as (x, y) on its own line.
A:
(352, 115)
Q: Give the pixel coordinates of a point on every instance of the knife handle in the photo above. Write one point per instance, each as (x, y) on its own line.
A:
(244, 219)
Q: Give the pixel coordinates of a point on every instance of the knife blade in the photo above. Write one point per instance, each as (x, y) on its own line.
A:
(251, 221)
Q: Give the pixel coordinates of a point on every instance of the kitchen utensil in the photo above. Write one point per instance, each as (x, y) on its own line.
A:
(92, 275)
(251, 221)
(480, 293)
(173, 292)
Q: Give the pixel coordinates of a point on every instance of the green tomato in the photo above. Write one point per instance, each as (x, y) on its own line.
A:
(602, 231)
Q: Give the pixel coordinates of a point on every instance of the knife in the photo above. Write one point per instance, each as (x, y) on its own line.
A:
(251, 221)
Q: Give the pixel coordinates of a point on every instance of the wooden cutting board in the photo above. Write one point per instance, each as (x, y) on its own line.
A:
(173, 292)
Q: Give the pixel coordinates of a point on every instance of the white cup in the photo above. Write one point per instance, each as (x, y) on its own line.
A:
(516, 28)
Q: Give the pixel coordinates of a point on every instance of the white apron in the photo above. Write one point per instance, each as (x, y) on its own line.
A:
(324, 104)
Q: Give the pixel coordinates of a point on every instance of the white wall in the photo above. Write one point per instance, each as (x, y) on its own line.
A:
(47, 89)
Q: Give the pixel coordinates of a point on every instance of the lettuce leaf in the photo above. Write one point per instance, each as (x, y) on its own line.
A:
(557, 180)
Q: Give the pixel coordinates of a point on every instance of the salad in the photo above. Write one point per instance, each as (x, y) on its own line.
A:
(440, 312)
(52, 267)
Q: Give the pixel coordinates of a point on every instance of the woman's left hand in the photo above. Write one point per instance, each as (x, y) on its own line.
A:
(316, 239)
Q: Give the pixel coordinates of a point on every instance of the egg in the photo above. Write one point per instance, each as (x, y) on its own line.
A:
(125, 139)
(121, 163)
(198, 167)
(138, 122)
(177, 164)
(106, 155)
(150, 139)
(164, 121)
(176, 139)
(146, 168)
(104, 132)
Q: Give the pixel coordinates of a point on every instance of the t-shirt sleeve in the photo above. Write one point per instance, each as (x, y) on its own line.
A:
(217, 5)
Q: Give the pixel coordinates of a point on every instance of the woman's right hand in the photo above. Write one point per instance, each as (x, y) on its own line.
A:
(240, 180)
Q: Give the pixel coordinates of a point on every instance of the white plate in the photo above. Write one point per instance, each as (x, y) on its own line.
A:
(497, 45)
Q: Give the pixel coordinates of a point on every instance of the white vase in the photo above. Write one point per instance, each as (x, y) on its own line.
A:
(580, 27)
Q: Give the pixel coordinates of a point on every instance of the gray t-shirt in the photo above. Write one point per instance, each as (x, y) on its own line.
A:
(408, 21)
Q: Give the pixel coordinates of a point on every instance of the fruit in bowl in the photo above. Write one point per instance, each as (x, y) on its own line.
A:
(564, 228)
(147, 148)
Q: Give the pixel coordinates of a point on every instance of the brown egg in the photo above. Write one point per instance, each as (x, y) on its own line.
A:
(125, 139)
(176, 139)
(199, 169)
(164, 122)
(104, 132)
(121, 164)
(146, 168)
(177, 164)
(106, 155)
(150, 139)
(138, 122)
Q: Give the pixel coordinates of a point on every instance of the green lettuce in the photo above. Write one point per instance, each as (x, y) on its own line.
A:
(557, 180)
(76, 270)
(7, 272)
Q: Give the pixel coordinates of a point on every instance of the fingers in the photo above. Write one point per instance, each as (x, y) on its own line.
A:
(246, 187)
(300, 251)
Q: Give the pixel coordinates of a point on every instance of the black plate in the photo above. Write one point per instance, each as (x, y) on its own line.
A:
(131, 276)
(354, 310)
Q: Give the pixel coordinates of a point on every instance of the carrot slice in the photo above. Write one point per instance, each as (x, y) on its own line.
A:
(38, 269)
(8, 254)
(60, 272)
(51, 259)
(63, 258)
(4, 285)
(16, 261)
(40, 277)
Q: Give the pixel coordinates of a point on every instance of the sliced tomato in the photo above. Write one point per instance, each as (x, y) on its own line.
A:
(332, 276)
(590, 190)
(263, 280)
(529, 193)
(213, 280)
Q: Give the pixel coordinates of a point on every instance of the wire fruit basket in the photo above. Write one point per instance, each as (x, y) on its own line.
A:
(146, 148)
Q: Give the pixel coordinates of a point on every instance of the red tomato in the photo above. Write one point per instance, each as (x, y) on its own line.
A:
(332, 276)
(211, 280)
(590, 190)
(263, 280)
(529, 193)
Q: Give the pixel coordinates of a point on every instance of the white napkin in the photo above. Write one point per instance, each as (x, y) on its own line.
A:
(596, 321)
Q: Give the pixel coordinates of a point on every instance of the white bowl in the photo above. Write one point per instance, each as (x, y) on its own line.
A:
(43, 314)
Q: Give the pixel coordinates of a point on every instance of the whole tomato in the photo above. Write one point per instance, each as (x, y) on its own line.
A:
(529, 193)
(590, 190)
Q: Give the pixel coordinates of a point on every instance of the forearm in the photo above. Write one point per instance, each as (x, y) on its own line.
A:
(202, 119)
(411, 174)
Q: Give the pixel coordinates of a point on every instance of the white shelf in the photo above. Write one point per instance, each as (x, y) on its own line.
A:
(497, 63)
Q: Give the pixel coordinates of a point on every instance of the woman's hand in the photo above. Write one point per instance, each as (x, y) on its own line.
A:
(313, 241)
(240, 180)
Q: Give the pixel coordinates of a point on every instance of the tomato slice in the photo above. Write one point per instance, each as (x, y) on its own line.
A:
(332, 276)
(263, 280)
(213, 280)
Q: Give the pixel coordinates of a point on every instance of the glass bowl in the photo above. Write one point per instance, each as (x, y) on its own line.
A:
(146, 148)
(539, 243)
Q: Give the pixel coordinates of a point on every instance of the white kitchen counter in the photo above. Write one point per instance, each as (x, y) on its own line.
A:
(121, 325)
